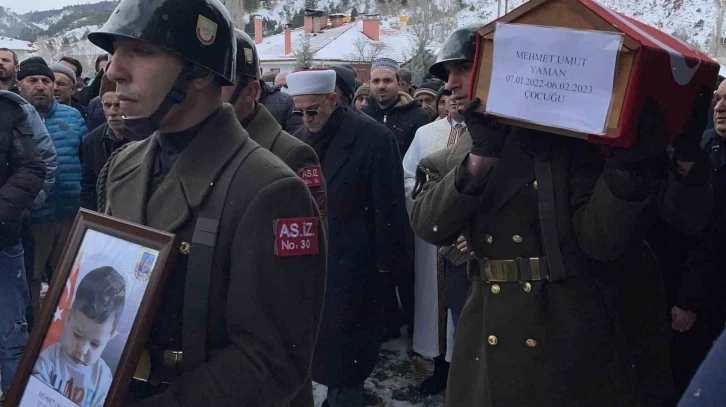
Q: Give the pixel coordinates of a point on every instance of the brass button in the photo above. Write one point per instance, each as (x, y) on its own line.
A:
(531, 343)
(534, 184)
(185, 248)
(527, 287)
(496, 289)
(489, 239)
(493, 340)
(517, 239)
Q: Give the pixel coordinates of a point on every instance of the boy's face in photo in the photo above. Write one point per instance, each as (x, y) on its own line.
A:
(84, 339)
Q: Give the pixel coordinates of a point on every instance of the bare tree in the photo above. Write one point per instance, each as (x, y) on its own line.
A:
(716, 48)
(365, 52)
(237, 12)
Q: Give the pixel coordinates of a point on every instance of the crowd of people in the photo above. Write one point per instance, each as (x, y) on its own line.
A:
(533, 268)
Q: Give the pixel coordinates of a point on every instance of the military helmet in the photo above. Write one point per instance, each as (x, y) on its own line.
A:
(248, 63)
(460, 46)
(198, 30)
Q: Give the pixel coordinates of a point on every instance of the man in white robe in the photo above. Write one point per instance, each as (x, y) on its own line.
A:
(430, 318)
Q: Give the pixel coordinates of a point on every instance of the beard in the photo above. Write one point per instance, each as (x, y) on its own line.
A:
(6, 75)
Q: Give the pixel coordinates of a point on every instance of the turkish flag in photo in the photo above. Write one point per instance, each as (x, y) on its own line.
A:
(64, 305)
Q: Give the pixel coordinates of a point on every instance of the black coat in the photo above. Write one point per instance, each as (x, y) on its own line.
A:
(96, 118)
(97, 147)
(280, 106)
(367, 220)
(22, 172)
(403, 118)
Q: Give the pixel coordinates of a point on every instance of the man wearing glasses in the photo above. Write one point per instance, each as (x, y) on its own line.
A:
(367, 223)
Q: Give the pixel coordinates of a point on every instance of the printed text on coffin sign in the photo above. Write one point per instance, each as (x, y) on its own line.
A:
(296, 237)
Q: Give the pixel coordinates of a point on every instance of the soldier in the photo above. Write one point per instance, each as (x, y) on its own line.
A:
(267, 132)
(262, 126)
(545, 218)
(240, 311)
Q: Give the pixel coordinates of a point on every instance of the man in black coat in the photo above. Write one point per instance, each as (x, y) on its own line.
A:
(98, 146)
(22, 172)
(398, 111)
(367, 223)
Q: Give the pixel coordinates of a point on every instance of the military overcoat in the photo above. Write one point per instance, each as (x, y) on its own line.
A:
(560, 343)
(263, 309)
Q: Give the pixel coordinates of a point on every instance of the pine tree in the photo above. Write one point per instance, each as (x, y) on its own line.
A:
(354, 13)
(311, 4)
(304, 54)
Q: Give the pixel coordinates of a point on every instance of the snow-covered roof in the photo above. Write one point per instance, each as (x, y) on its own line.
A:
(341, 44)
(17, 45)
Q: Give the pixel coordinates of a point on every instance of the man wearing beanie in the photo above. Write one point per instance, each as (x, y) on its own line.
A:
(367, 230)
(65, 88)
(51, 222)
(426, 95)
(361, 97)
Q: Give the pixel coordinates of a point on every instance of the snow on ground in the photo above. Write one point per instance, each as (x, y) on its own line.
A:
(395, 380)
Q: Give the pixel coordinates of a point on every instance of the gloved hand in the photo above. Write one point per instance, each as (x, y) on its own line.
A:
(487, 136)
(652, 138)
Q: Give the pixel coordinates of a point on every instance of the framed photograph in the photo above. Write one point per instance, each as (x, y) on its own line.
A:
(86, 344)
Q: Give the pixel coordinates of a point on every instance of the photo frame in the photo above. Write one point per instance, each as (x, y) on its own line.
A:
(96, 316)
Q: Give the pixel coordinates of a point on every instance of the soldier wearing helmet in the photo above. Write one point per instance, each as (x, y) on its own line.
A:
(262, 126)
(240, 311)
(562, 298)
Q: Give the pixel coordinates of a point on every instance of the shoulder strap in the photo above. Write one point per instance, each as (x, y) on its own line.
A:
(548, 219)
(199, 267)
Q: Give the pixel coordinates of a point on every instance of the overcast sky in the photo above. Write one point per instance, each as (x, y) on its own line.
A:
(20, 6)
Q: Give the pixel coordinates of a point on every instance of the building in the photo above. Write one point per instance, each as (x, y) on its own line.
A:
(23, 49)
(336, 40)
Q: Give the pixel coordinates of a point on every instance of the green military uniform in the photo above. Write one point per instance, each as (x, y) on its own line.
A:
(264, 309)
(267, 132)
(523, 339)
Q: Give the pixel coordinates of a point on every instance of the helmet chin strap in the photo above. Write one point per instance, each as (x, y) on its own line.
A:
(138, 128)
(240, 86)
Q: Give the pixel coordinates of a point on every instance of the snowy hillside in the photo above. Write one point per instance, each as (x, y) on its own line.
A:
(691, 20)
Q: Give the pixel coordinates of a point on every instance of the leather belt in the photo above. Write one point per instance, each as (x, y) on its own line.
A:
(519, 270)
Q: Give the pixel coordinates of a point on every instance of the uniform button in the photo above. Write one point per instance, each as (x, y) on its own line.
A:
(527, 287)
(531, 343)
(185, 248)
(493, 340)
(517, 239)
(489, 239)
(534, 184)
(496, 289)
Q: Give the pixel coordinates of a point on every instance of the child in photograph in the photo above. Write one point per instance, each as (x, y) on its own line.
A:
(73, 366)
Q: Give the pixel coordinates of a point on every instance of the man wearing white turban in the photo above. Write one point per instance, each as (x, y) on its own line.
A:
(368, 236)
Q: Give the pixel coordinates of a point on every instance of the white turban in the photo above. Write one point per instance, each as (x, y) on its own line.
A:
(311, 82)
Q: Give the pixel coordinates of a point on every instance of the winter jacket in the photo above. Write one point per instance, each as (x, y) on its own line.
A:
(280, 106)
(97, 147)
(67, 129)
(33, 124)
(22, 171)
(403, 118)
(95, 118)
(82, 109)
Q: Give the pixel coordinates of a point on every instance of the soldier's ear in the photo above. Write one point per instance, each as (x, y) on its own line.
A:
(255, 90)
